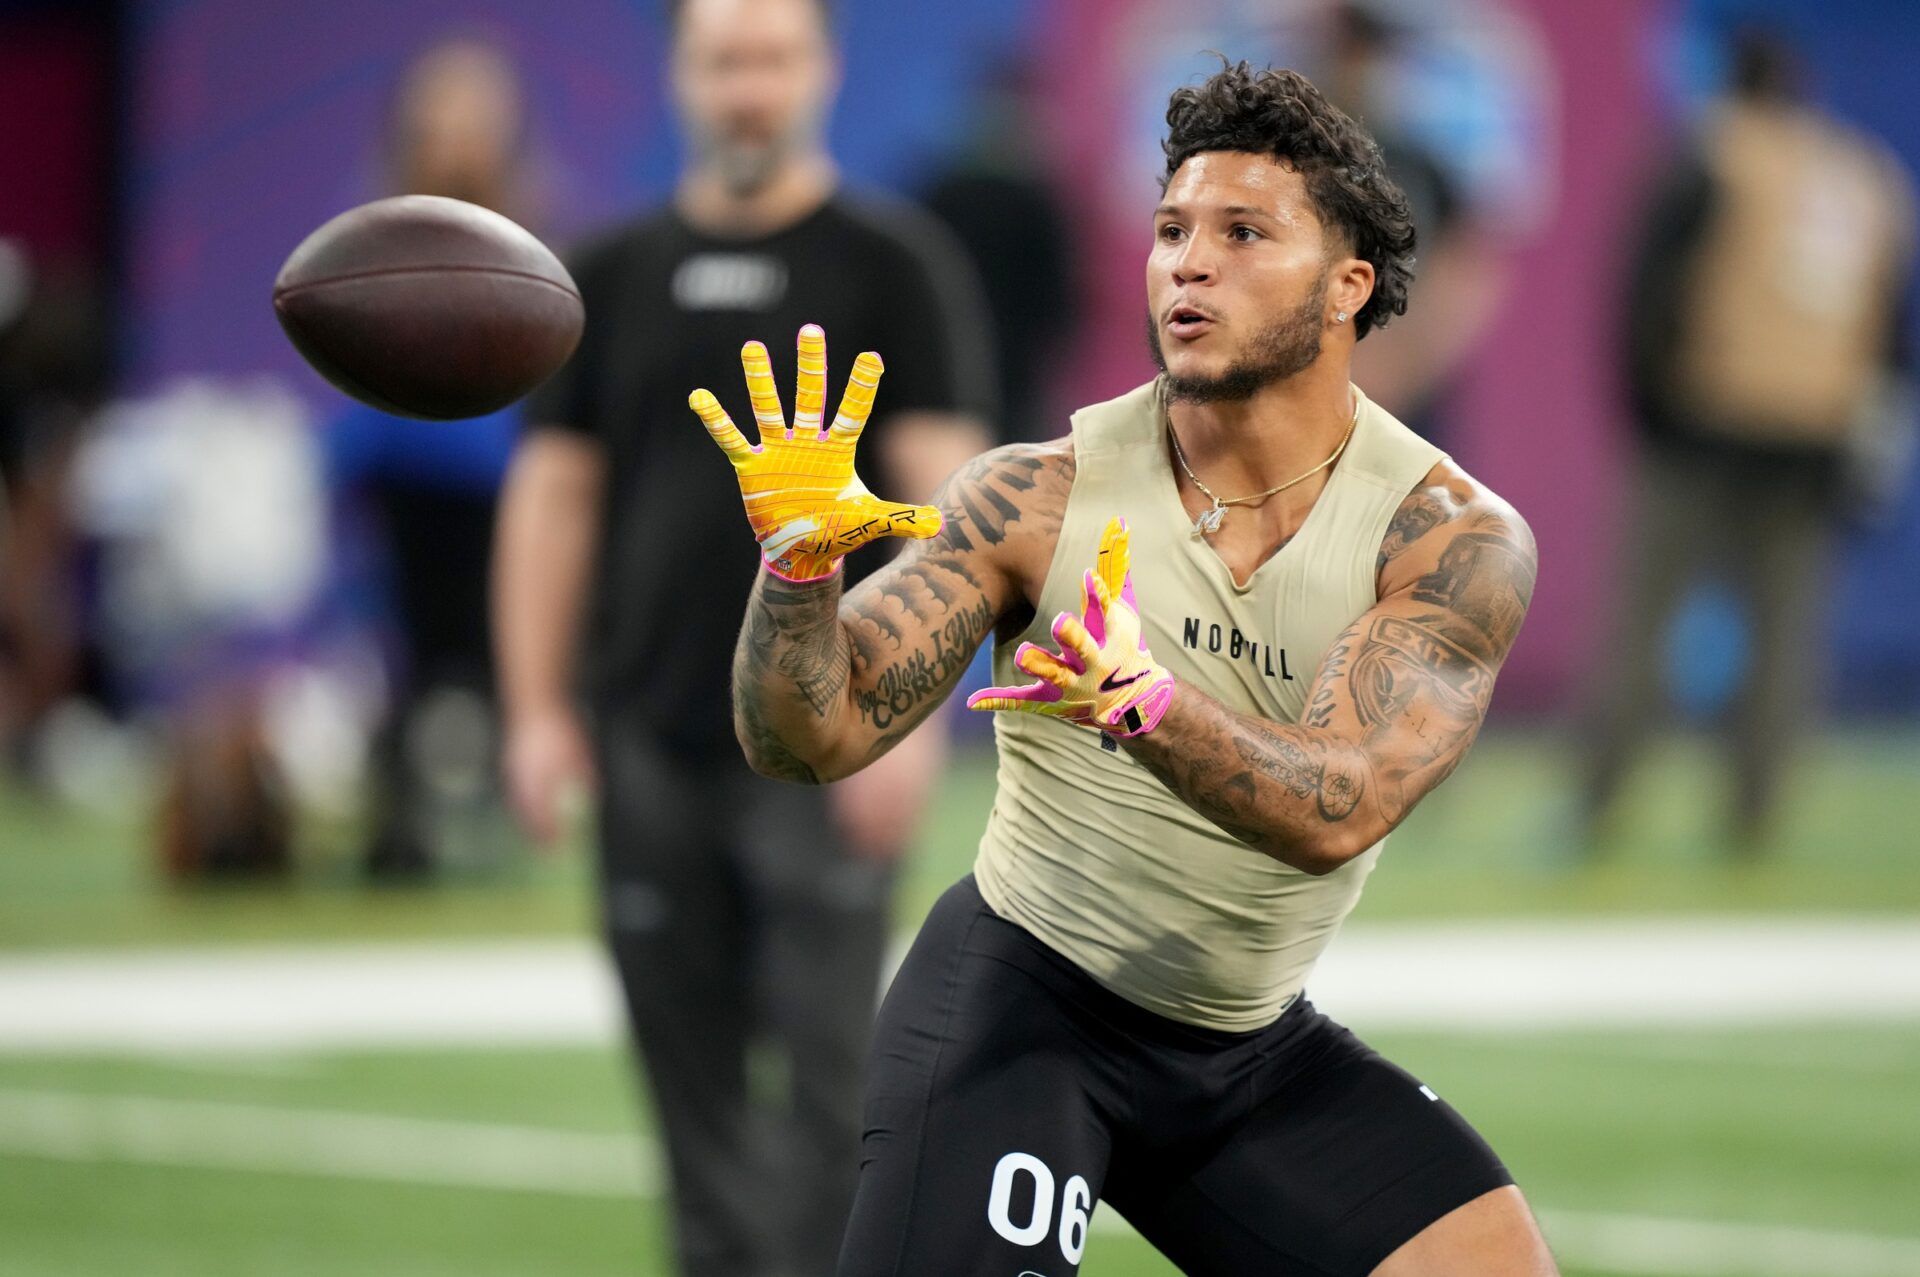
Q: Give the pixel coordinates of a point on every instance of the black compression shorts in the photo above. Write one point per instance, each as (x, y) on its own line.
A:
(1008, 1091)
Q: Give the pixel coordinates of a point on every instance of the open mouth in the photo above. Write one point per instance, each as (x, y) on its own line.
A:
(1187, 323)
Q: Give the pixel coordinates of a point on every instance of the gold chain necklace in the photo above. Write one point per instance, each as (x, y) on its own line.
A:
(1208, 521)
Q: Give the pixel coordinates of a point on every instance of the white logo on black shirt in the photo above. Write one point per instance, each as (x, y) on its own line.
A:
(730, 281)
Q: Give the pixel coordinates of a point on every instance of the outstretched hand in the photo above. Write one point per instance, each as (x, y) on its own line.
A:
(1102, 676)
(807, 506)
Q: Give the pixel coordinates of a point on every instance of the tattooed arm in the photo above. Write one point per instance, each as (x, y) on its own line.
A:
(824, 684)
(1395, 705)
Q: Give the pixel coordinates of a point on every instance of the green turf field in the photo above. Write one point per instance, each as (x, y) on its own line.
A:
(1491, 841)
(1815, 1129)
(1742, 1153)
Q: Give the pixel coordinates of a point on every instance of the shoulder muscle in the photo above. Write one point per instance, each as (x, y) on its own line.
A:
(1456, 545)
(1011, 493)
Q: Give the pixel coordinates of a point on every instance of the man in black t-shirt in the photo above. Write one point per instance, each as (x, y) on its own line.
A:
(741, 913)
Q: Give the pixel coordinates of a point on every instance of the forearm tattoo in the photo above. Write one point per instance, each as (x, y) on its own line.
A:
(1420, 684)
(916, 625)
(791, 636)
(813, 667)
(1395, 705)
(1266, 784)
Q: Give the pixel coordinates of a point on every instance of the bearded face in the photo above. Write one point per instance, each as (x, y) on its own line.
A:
(753, 80)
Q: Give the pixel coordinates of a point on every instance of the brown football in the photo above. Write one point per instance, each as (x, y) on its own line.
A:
(428, 307)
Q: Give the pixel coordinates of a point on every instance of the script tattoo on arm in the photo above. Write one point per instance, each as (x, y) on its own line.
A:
(1320, 701)
(1396, 703)
(823, 684)
(915, 625)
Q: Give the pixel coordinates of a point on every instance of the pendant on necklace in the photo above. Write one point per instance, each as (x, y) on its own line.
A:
(1208, 521)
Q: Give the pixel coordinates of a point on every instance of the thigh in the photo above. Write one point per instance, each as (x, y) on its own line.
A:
(1676, 531)
(820, 932)
(1348, 1159)
(987, 1127)
(674, 911)
(1666, 545)
(821, 921)
(1783, 575)
(659, 816)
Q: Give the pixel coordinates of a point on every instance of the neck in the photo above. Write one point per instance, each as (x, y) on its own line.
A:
(1248, 445)
(798, 187)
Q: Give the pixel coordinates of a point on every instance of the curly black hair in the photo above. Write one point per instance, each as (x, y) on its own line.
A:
(1279, 113)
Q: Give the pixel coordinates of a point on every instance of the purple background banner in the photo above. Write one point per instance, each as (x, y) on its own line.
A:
(253, 122)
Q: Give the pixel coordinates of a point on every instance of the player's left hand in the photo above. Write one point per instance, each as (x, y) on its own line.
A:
(1102, 676)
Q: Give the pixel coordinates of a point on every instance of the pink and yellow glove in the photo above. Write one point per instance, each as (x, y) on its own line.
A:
(807, 506)
(1103, 676)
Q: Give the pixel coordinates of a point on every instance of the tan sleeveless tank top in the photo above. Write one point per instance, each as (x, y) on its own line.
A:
(1084, 847)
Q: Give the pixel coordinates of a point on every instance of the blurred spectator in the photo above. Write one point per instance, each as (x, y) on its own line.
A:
(742, 914)
(1410, 365)
(995, 197)
(205, 513)
(53, 374)
(226, 811)
(459, 129)
(456, 131)
(1761, 330)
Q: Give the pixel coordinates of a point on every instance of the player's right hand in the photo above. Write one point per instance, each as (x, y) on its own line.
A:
(805, 503)
(548, 764)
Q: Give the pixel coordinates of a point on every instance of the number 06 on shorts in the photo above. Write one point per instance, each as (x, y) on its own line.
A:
(1016, 1176)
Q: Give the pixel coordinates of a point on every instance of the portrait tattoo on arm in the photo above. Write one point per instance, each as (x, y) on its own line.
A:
(1420, 681)
(1422, 512)
(1485, 576)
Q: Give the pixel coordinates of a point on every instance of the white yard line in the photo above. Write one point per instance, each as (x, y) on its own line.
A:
(90, 1128)
(1491, 976)
(74, 1126)
(279, 999)
(1662, 1246)
(1698, 1248)
(1652, 972)
(1824, 1049)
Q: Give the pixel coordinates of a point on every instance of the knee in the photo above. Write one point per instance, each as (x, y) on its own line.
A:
(1494, 1235)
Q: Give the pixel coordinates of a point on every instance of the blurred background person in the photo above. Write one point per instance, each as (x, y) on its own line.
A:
(994, 194)
(53, 376)
(59, 356)
(1761, 326)
(1461, 273)
(204, 510)
(748, 919)
(428, 489)
(1456, 92)
(1716, 1087)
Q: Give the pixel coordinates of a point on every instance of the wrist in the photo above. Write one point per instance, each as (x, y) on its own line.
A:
(1144, 712)
(535, 714)
(801, 569)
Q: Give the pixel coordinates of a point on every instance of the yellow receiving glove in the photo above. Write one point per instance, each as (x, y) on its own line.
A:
(1103, 676)
(805, 503)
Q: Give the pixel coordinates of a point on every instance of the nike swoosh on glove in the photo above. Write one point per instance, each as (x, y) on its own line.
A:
(1102, 676)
